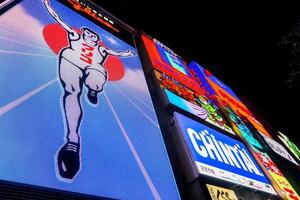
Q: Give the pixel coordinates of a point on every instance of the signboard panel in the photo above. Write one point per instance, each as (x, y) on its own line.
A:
(216, 88)
(279, 149)
(219, 156)
(218, 193)
(166, 61)
(207, 112)
(243, 131)
(71, 116)
(290, 145)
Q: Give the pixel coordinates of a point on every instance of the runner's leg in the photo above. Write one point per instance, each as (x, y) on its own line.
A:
(71, 80)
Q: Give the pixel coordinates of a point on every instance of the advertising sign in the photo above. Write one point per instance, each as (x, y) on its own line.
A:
(220, 193)
(243, 131)
(279, 149)
(277, 176)
(215, 87)
(166, 61)
(205, 110)
(219, 156)
(75, 110)
(290, 145)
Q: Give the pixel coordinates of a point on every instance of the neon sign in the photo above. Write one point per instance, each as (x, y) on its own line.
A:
(99, 17)
(219, 156)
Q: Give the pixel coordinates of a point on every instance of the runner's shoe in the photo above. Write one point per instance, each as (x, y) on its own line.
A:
(92, 96)
(68, 160)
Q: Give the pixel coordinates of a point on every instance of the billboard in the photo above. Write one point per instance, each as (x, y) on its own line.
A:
(218, 89)
(75, 111)
(166, 61)
(290, 145)
(204, 109)
(219, 156)
(279, 149)
(243, 131)
(218, 193)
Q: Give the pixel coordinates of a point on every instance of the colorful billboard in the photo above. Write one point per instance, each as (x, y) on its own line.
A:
(222, 92)
(166, 61)
(290, 145)
(219, 156)
(279, 149)
(244, 132)
(204, 109)
(75, 110)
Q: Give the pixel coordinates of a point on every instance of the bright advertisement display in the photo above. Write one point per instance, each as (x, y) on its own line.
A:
(75, 110)
(218, 193)
(243, 131)
(166, 61)
(204, 110)
(290, 145)
(279, 149)
(219, 156)
(216, 88)
(188, 100)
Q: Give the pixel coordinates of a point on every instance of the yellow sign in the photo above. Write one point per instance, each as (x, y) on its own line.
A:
(285, 186)
(219, 193)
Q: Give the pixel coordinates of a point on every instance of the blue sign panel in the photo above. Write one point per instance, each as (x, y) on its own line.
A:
(75, 110)
(222, 157)
(201, 73)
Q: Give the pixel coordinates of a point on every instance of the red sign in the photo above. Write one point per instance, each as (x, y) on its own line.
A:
(159, 64)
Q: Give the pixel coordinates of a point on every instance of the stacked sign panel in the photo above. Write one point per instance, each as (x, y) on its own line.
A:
(75, 110)
(219, 157)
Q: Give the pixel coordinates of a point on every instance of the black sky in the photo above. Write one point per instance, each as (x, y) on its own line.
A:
(237, 42)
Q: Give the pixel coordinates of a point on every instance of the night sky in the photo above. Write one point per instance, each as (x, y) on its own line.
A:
(240, 43)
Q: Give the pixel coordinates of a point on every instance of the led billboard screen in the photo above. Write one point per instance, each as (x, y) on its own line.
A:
(204, 110)
(75, 111)
(279, 149)
(166, 61)
(216, 88)
(276, 175)
(290, 145)
(219, 156)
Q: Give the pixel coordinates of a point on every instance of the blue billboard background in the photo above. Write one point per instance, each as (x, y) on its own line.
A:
(200, 72)
(186, 123)
(118, 136)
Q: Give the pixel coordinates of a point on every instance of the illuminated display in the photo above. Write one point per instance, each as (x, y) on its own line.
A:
(205, 110)
(223, 93)
(243, 131)
(71, 116)
(217, 193)
(222, 157)
(289, 144)
(279, 149)
(166, 61)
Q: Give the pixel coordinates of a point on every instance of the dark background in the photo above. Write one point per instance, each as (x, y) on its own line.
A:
(245, 45)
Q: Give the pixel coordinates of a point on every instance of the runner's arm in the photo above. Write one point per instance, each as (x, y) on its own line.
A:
(58, 19)
(128, 53)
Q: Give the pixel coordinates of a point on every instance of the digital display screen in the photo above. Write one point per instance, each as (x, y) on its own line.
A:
(290, 145)
(166, 61)
(206, 110)
(75, 110)
(215, 87)
(279, 149)
(243, 131)
(219, 156)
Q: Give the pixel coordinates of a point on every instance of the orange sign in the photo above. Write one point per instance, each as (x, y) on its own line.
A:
(237, 106)
(92, 13)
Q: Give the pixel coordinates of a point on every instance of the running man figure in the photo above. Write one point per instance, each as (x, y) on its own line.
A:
(81, 63)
